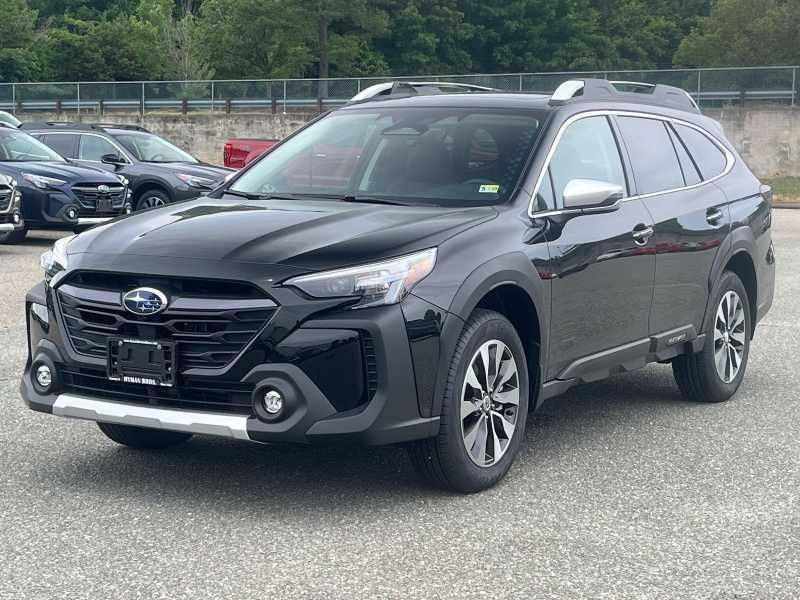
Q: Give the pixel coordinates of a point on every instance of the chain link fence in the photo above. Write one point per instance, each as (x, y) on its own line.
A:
(709, 87)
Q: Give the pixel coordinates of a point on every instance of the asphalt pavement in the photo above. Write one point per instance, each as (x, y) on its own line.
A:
(623, 490)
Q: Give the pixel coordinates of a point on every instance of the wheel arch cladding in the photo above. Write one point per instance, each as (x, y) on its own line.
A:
(510, 285)
(742, 264)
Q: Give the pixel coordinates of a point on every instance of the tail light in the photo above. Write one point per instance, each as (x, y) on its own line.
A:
(227, 150)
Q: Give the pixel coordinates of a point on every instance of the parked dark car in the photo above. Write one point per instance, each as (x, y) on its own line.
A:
(10, 206)
(56, 193)
(159, 172)
(417, 267)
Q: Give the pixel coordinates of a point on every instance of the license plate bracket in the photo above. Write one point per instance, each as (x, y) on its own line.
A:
(142, 362)
(104, 205)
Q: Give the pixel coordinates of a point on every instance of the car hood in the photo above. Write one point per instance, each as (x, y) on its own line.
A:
(196, 169)
(311, 235)
(69, 172)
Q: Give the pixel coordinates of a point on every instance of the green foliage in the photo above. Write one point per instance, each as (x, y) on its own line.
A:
(744, 33)
(244, 39)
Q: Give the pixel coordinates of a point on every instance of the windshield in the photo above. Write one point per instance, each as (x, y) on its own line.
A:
(440, 156)
(16, 146)
(147, 147)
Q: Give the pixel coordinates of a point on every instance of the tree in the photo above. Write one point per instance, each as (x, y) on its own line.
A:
(426, 37)
(18, 61)
(744, 33)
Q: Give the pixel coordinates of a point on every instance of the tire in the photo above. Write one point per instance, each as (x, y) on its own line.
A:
(13, 237)
(444, 461)
(140, 437)
(151, 199)
(698, 375)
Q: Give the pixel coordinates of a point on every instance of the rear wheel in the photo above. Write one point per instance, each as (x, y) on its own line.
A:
(141, 437)
(715, 373)
(13, 237)
(484, 409)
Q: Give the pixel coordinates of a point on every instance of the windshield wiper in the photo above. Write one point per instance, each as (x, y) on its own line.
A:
(371, 200)
(252, 196)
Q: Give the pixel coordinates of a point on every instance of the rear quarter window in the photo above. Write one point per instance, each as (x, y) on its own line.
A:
(706, 154)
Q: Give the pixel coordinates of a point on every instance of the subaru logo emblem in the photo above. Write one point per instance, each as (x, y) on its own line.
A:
(103, 189)
(144, 301)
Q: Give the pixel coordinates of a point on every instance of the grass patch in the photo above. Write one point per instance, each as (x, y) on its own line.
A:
(785, 189)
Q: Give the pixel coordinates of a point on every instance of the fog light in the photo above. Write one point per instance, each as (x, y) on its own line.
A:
(16, 218)
(273, 402)
(128, 209)
(72, 214)
(44, 377)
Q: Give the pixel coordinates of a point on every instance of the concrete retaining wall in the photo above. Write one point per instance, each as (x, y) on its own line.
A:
(768, 138)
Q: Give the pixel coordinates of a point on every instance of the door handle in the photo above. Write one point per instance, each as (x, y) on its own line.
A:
(713, 216)
(642, 233)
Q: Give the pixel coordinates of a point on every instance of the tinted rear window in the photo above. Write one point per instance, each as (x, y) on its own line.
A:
(655, 163)
(63, 143)
(706, 154)
(690, 173)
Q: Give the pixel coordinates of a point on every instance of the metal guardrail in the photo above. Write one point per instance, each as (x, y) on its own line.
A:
(709, 87)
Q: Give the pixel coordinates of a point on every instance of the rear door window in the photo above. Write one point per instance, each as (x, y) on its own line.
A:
(708, 156)
(655, 163)
(690, 173)
(63, 143)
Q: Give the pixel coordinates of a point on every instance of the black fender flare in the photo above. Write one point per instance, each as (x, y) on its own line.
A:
(152, 183)
(508, 269)
(739, 240)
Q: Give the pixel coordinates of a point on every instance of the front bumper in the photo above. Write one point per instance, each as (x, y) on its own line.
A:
(308, 364)
(62, 209)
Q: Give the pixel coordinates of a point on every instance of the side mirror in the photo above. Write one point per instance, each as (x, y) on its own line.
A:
(592, 194)
(112, 159)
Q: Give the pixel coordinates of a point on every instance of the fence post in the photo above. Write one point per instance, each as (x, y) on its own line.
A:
(14, 98)
(794, 85)
(699, 88)
(78, 96)
(141, 104)
(520, 82)
(212, 95)
(284, 96)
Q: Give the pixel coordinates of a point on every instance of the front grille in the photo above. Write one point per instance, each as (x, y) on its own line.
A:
(193, 394)
(88, 193)
(210, 329)
(6, 198)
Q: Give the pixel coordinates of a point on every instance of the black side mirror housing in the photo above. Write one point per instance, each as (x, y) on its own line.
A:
(112, 159)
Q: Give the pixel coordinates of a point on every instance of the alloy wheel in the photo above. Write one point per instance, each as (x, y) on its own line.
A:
(489, 403)
(152, 202)
(730, 336)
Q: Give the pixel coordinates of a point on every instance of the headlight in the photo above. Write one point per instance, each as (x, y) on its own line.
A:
(123, 180)
(194, 181)
(377, 284)
(43, 182)
(55, 259)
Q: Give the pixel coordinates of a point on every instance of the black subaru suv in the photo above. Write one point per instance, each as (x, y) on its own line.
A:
(417, 267)
(10, 206)
(159, 172)
(56, 193)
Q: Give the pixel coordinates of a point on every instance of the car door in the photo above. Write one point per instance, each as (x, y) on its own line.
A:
(601, 261)
(691, 218)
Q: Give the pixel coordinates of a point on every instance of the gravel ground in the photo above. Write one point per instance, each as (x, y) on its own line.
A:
(623, 490)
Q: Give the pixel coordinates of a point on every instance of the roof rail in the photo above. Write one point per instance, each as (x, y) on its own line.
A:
(647, 93)
(81, 126)
(413, 88)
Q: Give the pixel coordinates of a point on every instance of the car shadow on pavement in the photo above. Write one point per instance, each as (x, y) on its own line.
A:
(233, 474)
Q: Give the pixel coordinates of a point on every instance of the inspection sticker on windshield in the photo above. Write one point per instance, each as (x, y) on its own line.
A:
(489, 189)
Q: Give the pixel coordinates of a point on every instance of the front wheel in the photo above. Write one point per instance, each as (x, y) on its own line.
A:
(715, 373)
(484, 409)
(151, 199)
